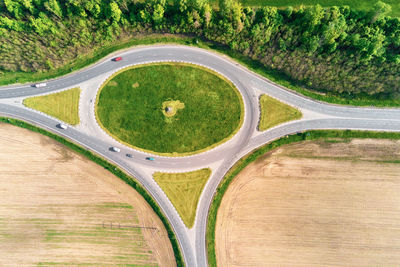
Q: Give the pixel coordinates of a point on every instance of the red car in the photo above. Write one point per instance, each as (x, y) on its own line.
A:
(117, 59)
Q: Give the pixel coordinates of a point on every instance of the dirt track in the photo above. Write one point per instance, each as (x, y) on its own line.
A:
(314, 204)
(58, 207)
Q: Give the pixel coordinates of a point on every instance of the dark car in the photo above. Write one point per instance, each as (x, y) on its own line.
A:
(129, 155)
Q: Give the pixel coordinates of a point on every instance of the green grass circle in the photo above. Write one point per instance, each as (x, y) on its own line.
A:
(129, 107)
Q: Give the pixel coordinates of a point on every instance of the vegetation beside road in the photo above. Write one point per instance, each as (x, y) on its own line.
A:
(274, 112)
(91, 57)
(213, 108)
(336, 51)
(114, 170)
(184, 190)
(62, 105)
(363, 5)
(251, 157)
(254, 65)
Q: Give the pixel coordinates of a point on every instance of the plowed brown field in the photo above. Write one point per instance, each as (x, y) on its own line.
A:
(314, 204)
(58, 208)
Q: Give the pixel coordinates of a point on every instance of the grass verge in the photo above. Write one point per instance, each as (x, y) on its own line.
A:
(253, 65)
(114, 170)
(184, 190)
(274, 112)
(213, 108)
(246, 160)
(63, 105)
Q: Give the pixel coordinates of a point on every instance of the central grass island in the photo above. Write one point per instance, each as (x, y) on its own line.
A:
(171, 109)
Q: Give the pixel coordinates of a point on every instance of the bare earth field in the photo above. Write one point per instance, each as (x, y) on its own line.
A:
(314, 204)
(58, 208)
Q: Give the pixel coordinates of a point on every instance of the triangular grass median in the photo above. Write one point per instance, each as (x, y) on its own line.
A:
(184, 190)
(274, 112)
(63, 105)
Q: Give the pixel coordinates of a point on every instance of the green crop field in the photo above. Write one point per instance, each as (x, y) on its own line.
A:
(184, 190)
(274, 112)
(63, 105)
(132, 108)
(356, 4)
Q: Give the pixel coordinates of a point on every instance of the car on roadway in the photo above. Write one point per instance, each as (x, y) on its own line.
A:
(150, 158)
(37, 85)
(62, 126)
(115, 149)
(129, 155)
(117, 59)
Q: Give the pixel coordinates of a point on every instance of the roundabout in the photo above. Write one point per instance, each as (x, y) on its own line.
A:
(192, 242)
(169, 109)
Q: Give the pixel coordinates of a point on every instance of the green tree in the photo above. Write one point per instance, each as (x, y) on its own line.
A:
(333, 30)
(145, 16)
(379, 11)
(237, 12)
(197, 4)
(207, 14)
(76, 7)
(392, 30)
(158, 14)
(225, 7)
(54, 7)
(182, 5)
(27, 4)
(10, 24)
(94, 7)
(313, 16)
(38, 25)
(115, 12)
(14, 8)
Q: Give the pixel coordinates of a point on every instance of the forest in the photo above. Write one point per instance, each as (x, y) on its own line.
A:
(337, 49)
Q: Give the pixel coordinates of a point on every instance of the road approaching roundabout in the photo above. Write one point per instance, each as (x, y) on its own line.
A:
(172, 107)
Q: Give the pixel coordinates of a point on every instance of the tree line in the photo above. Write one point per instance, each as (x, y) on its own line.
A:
(334, 49)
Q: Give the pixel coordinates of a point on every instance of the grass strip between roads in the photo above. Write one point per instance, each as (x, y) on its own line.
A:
(62, 105)
(273, 75)
(114, 170)
(184, 190)
(246, 160)
(274, 112)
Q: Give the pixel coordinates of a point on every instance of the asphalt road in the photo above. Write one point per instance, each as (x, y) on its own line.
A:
(317, 115)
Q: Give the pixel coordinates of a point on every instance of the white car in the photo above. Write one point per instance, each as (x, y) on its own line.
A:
(37, 85)
(115, 149)
(63, 126)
